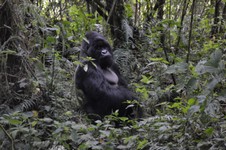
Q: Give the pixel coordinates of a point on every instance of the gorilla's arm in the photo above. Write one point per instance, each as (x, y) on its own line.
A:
(98, 87)
(102, 96)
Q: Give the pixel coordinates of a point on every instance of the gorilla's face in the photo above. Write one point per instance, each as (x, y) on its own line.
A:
(99, 49)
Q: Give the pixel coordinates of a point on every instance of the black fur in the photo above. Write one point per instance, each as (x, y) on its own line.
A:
(103, 95)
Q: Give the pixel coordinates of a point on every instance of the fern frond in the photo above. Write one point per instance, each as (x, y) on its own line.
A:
(28, 105)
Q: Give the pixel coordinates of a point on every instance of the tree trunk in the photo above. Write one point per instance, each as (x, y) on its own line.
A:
(222, 29)
(116, 15)
(214, 29)
(10, 64)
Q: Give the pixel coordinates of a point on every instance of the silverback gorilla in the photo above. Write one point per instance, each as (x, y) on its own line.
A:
(100, 80)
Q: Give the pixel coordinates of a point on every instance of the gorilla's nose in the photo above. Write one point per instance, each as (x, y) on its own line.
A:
(104, 52)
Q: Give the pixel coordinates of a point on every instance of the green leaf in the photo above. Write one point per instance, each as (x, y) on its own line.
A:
(176, 105)
(143, 91)
(210, 66)
(33, 124)
(51, 29)
(45, 50)
(192, 84)
(177, 68)
(211, 85)
(191, 101)
(192, 69)
(86, 40)
(215, 58)
(142, 144)
(146, 80)
(47, 120)
(74, 136)
(58, 130)
(159, 60)
(50, 39)
(209, 131)
(15, 121)
(68, 113)
(201, 68)
(14, 133)
(105, 133)
(10, 52)
(193, 109)
(123, 119)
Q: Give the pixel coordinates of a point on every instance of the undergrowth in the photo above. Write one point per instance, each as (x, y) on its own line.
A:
(184, 101)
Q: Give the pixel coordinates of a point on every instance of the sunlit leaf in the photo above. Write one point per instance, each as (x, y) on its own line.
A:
(159, 60)
(146, 80)
(209, 131)
(45, 50)
(191, 101)
(176, 105)
(35, 113)
(86, 40)
(15, 121)
(68, 113)
(33, 124)
(130, 106)
(142, 144)
(7, 52)
(85, 68)
(47, 120)
(123, 119)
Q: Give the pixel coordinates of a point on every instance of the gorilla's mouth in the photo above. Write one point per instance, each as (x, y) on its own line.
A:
(106, 62)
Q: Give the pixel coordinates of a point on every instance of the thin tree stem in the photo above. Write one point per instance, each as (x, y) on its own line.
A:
(190, 32)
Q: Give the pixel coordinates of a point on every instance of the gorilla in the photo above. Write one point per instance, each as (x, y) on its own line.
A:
(104, 89)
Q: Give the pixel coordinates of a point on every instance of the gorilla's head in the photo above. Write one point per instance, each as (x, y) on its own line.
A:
(97, 47)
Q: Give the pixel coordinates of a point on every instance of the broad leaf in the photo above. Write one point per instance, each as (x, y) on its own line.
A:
(177, 68)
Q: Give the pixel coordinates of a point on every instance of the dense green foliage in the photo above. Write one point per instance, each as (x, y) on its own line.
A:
(171, 51)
